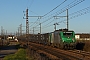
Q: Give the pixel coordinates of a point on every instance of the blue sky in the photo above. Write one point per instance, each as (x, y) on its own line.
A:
(11, 15)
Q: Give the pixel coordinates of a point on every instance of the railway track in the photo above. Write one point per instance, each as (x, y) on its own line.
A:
(61, 54)
(86, 55)
(58, 54)
(80, 52)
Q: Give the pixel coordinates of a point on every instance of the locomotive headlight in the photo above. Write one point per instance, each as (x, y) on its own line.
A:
(63, 40)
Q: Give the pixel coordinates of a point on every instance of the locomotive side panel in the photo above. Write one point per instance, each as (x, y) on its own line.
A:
(56, 39)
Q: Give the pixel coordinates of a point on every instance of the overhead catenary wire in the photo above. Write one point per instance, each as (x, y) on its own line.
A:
(74, 15)
(52, 10)
(81, 12)
(52, 24)
(36, 20)
(69, 6)
(72, 4)
(55, 8)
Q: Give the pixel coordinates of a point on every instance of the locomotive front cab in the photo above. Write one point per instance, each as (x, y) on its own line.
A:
(68, 39)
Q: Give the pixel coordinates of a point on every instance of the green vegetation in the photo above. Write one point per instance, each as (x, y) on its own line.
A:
(19, 55)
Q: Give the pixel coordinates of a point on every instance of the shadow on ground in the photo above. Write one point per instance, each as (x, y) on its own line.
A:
(80, 46)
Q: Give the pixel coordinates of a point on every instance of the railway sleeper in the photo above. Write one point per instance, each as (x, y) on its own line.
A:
(41, 55)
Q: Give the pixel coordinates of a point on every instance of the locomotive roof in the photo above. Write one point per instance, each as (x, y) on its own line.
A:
(64, 30)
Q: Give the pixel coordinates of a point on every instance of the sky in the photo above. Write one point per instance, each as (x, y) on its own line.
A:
(11, 15)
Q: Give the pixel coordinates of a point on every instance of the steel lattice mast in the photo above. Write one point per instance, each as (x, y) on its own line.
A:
(27, 22)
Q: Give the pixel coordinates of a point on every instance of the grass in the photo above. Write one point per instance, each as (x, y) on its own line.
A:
(19, 55)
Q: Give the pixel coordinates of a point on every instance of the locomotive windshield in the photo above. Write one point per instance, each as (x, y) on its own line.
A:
(67, 33)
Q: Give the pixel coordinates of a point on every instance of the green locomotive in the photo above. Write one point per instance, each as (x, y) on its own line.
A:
(63, 39)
